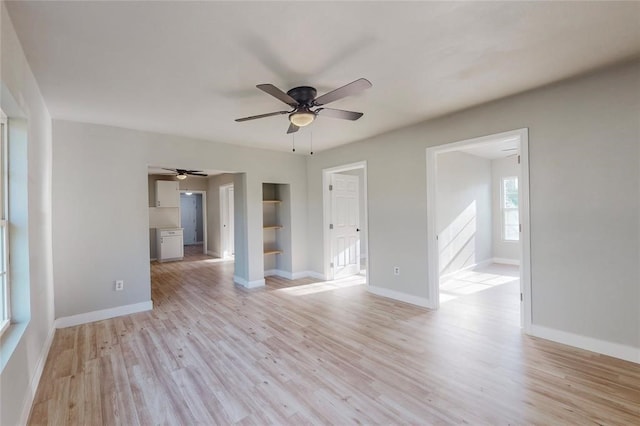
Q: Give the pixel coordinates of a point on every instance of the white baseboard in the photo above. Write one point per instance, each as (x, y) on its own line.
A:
(213, 253)
(272, 272)
(298, 275)
(506, 261)
(35, 379)
(293, 276)
(248, 284)
(153, 258)
(616, 350)
(103, 314)
(316, 275)
(396, 295)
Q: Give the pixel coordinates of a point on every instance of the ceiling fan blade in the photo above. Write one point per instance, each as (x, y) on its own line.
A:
(352, 88)
(277, 93)
(255, 117)
(292, 128)
(171, 170)
(197, 174)
(339, 113)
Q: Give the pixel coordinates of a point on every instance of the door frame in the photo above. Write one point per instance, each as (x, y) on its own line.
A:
(224, 210)
(204, 215)
(525, 235)
(326, 209)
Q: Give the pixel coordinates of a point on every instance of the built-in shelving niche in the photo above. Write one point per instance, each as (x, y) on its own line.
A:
(276, 226)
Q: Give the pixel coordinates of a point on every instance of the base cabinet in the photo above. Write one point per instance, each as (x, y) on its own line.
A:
(170, 244)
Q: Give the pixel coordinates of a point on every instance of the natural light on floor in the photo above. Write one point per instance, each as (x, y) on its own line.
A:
(472, 281)
(313, 288)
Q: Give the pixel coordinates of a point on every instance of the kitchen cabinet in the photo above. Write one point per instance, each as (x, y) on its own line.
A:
(170, 244)
(167, 193)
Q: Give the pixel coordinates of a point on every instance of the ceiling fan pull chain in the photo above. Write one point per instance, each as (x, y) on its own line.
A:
(311, 142)
(293, 143)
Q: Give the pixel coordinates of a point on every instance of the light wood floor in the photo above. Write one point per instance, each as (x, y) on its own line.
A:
(213, 353)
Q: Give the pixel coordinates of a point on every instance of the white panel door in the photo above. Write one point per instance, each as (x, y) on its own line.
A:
(345, 235)
(188, 218)
(227, 232)
(230, 231)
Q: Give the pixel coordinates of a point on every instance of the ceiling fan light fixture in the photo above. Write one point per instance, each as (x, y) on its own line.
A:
(302, 118)
(181, 176)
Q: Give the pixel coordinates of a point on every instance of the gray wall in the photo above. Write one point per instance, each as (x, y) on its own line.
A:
(584, 192)
(194, 183)
(106, 237)
(501, 168)
(30, 224)
(464, 210)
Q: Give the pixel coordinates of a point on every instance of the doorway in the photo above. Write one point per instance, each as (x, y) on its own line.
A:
(227, 232)
(478, 219)
(345, 221)
(193, 220)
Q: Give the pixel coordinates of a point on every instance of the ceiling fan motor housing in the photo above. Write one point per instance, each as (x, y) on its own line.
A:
(304, 95)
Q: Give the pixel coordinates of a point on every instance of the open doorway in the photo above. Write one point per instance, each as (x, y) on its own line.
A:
(345, 220)
(477, 195)
(193, 221)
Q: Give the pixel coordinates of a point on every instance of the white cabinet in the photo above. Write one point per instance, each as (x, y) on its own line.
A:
(170, 246)
(167, 193)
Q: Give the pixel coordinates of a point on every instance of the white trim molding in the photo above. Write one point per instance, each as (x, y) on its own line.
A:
(248, 284)
(396, 295)
(103, 314)
(326, 213)
(213, 253)
(293, 275)
(616, 350)
(505, 261)
(35, 379)
(433, 283)
(316, 275)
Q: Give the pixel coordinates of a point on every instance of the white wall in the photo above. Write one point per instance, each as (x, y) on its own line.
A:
(25, 343)
(464, 210)
(106, 237)
(502, 168)
(584, 193)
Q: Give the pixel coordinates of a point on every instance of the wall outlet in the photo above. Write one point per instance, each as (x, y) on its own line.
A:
(396, 270)
(119, 285)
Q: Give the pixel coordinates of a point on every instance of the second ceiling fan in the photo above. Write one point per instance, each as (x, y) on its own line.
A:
(303, 99)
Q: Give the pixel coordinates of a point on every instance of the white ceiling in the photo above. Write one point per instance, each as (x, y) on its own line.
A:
(190, 68)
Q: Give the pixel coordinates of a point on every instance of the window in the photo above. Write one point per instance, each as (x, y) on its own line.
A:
(5, 313)
(509, 203)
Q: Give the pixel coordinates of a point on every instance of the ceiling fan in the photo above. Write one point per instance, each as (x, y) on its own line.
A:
(302, 99)
(182, 173)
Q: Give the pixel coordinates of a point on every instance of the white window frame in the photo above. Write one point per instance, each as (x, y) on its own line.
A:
(5, 284)
(504, 210)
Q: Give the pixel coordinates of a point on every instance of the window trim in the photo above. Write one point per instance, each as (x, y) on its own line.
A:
(504, 210)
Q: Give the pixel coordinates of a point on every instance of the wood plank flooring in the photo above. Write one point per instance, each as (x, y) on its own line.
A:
(298, 353)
